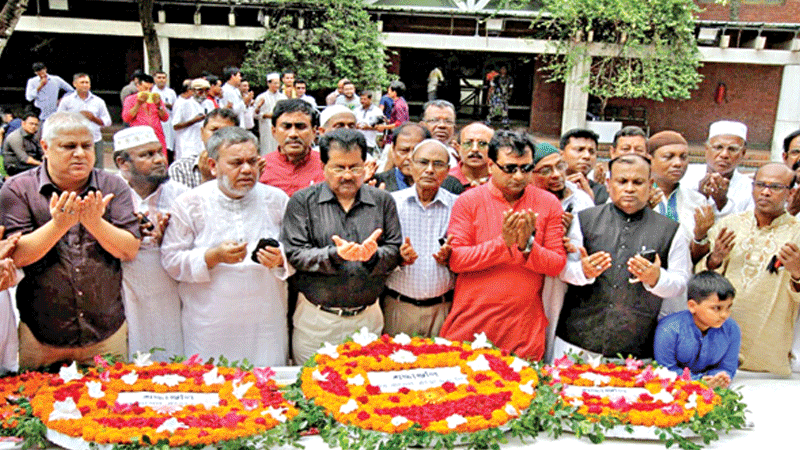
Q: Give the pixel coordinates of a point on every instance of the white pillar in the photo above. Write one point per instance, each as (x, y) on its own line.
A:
(576, 99)
(787, 118)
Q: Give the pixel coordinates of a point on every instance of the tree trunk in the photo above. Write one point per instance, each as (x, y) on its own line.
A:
(150, 35)
(735, 5)
(9, 17)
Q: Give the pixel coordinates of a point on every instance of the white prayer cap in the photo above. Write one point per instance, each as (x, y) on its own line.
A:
(331, 111)
(200, 83)
(430, 141)
(134, 137)
(730, 127)
(273, 76)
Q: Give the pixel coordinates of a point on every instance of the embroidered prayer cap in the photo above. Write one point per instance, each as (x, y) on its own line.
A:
(331, 111)
(273, 76)
(728, 127)
(133, 137)
(543, 149)
(664, 138)
(200, 83)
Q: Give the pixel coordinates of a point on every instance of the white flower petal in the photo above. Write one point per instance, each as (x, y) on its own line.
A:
(519, 364)
(357, 380)
(595, 361)
(170, 380)
(455, 420)
(172, 424)
(95, 389)
(142, 359)
(481, 341)
(66, 410)
(213, 377)
(240, 389)
(402, 339)
(441, 341)
(527, 387)
(318, 376)
(364, 337)
(348, 407)
(329, 349)
(511, 411)
(398, 420)
(130, 378)
(597, 379)
(403, 357)
(479, 364)
(70, 373)
(276, 413)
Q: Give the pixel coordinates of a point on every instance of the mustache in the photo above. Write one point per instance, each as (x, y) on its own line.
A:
(475, 155)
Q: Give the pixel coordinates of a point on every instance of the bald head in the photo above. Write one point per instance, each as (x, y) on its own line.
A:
(776, 170)
(474, 141)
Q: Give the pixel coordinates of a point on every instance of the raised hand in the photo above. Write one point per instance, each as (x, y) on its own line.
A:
(789, 256)
(228, 252)
(408, 253)
(579, 179)
(270, 257)
(722, 248)
(645, 271)
(65, 209)
(8, 244)
(443, 255)
(93, 206)
(594, 264)
(703, 221)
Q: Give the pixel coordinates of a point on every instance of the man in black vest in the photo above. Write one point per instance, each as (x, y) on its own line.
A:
(615, 295)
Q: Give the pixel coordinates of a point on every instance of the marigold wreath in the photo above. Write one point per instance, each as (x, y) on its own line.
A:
(147, 403)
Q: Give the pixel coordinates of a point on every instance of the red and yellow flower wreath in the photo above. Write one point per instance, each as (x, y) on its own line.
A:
(664, 400)
(20, 386)
(498, 386)
(85, 406)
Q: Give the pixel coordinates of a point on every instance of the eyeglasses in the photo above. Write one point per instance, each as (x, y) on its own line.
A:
(546, 171)
(355, 170)
(774, 187)
(512, 168)
(732, 149)
(440, 121)
(483, 145)
(437, 165)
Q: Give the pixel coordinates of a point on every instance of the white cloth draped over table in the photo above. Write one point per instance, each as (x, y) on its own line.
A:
(150, 295)
(236, 310)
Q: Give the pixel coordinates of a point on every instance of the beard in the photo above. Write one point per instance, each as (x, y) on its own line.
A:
(226, 183)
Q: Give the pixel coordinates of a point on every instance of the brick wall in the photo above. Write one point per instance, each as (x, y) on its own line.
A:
(752, 98)
(787, 11)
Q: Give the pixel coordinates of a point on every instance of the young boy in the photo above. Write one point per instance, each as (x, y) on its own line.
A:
(702, 338)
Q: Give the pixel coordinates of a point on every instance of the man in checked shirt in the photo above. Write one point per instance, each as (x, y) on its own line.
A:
(419, 295)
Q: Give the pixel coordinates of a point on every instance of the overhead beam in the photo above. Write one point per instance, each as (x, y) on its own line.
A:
(67, 25)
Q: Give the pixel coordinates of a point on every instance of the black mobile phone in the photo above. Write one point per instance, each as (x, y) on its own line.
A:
(442, 240)
(569, 208)
(263, 243)
(145, 222)
(649, 255)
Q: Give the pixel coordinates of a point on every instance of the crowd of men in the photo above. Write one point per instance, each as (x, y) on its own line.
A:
(266, 249)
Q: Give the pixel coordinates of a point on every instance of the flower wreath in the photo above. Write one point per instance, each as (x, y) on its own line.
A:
(454, 388)
(218, 403)
(18, 387)
(631, 395)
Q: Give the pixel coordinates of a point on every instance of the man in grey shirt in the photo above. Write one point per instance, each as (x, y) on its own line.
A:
(343, 237)
(21, 149)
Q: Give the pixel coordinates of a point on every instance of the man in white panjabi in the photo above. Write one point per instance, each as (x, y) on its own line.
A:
(265, 103)
(150, 295)
(232, 305)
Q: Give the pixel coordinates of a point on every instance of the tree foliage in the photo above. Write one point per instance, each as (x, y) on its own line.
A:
(336, 40)
(638, 48)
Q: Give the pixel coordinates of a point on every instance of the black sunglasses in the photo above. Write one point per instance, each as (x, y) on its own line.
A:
(511, 168)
